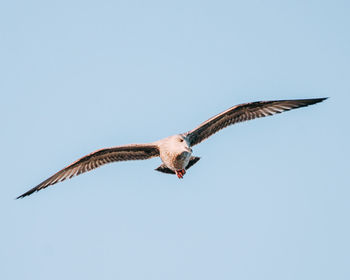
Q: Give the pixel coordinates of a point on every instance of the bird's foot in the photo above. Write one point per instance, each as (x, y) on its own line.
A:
(180, 173)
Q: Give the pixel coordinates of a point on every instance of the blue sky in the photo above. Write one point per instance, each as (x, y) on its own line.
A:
(269, 198)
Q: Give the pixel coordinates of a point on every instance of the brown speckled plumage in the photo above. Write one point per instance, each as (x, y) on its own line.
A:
(175, 151)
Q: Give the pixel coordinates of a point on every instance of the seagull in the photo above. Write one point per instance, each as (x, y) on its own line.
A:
(174, 151)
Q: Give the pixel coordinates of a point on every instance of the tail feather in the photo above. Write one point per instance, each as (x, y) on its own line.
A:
(163, 168)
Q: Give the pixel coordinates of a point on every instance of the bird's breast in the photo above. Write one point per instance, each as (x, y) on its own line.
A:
(175, 158)
(181, 160)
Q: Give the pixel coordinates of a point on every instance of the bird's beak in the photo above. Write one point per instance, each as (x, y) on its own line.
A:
(188, 149)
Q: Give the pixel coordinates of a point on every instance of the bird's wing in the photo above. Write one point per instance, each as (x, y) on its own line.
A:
(97, 159)
(244, 112)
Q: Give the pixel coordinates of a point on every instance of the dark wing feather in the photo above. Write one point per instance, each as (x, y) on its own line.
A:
(244, 112)
(97, 159)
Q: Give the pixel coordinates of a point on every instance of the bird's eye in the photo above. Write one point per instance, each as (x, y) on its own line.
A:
(181, 140)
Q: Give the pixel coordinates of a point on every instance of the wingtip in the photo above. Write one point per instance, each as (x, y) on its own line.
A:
(27, 193)
(318, 100)
(21, 196)
(315, 100)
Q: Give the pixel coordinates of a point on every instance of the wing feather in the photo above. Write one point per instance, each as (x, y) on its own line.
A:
(244, 112)
(97, 159)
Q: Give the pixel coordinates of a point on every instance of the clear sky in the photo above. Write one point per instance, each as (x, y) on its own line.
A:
(269, 198)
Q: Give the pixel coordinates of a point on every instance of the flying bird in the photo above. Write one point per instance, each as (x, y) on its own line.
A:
(174, 151)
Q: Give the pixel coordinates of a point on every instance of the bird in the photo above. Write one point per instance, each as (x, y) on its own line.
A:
(174, 151)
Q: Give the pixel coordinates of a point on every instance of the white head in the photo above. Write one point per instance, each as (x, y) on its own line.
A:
(176, 143)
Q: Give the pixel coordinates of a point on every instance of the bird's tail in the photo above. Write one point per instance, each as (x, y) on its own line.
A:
(163, 168)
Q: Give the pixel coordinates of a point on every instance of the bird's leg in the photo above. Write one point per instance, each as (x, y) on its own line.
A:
(180, 173)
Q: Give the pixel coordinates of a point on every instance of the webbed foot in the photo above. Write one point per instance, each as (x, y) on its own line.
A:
(180, 173)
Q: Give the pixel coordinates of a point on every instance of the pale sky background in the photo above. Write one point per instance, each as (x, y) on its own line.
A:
(269, 199)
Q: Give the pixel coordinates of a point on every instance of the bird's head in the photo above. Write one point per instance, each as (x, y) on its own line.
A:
(177, 143)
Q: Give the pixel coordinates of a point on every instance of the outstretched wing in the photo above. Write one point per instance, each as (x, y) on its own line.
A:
(244, 112)
(97, 159)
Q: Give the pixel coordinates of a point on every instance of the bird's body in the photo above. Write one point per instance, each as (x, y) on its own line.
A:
(175, 151)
